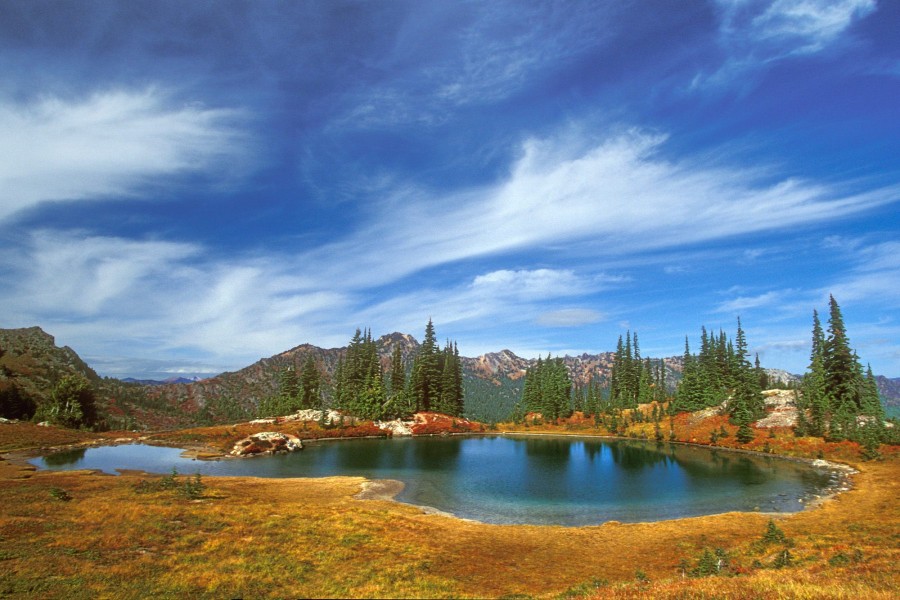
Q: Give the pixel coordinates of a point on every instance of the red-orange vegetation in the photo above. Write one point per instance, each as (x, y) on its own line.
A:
(431, 423)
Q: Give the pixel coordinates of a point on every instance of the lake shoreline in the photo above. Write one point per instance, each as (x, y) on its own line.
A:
(389, 489)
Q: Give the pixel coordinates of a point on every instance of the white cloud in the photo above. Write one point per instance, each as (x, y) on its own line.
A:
(569, 317)
(615, 197)
(743, 303)
(805, 26)
(163, 298)
(757, 33)
(529, 284)
(565, 197)
(502, 296)
(84, 276)
(875, 279)
(452, 55)
(105, 145)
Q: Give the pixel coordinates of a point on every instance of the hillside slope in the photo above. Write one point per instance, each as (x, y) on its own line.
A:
(31, 364)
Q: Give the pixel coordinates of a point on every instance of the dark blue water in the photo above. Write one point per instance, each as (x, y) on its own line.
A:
(540, 480)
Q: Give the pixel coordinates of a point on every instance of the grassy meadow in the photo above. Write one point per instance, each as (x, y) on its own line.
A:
(87, 535)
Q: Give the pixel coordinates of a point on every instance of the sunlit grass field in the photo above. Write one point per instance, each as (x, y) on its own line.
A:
(254, 538)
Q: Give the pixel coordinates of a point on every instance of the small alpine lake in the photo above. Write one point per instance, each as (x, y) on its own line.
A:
(517, 479)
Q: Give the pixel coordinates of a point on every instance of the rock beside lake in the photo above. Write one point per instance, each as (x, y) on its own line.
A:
(267, 442)
(781, 409)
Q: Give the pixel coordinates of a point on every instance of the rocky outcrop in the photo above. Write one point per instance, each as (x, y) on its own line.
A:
(267, 442)
(430, 423)
(504, 363)
(781, 409)
(397, 427)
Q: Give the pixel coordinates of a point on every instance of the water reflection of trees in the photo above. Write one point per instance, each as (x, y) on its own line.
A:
(553, 450)
(631, 456)
(437, 454)
(66, 457)
(707, 464)
(426, 454)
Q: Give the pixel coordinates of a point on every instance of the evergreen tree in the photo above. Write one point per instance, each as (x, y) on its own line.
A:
(448, 382)
(834, 390)
(14, 403)
(842, 377)
(72, 403)
(310, 384)
(761, 375)
(871, 399)
(426, 375)
(398, 371)
(359, 386)
(436, 383)
(813, 398)
(747, 403)
(288, 387)
(458, 382)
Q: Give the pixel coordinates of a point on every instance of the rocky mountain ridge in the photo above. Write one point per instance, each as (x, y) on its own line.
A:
(30, 360)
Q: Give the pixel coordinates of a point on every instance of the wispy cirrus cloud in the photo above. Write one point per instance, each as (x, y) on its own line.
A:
(497, 297)
(459, 55)
(754, 34)
(782, 28)
(614, 197)
(875, 279)
(743, 303)
(164, 297)
(569, 317)
(106, 145)
(563, 197)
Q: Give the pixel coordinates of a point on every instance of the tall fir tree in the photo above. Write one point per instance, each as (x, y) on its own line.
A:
(813, 398)
(436, 380)
(310, 384)
(426, 375)
(835, 391)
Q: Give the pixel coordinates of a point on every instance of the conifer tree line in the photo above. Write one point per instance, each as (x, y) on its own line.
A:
(362, 389)
(295, 392)
(635, 381)
(837, 399)
(359, 386)
(547, 389)
(436, 382)
(722, 373)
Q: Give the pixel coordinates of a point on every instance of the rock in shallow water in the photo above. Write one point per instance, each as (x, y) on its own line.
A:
(267, 442)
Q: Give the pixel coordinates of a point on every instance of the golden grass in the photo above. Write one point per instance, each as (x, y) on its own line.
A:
(310, 538)
(25, 435)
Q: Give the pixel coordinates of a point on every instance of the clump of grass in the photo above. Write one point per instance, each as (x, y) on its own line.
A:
(783, 559)
(842, 560)
(711, 562)
(191, 488)
(60, 494)
(588, 588)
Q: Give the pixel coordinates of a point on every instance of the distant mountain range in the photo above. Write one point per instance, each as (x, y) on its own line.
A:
(168, 381)
(30, 360)
(889, 389)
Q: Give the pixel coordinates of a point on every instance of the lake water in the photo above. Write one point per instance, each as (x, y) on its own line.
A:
(508, 479)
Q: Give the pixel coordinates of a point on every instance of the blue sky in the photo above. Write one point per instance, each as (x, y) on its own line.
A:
(190, 186)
